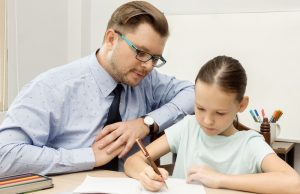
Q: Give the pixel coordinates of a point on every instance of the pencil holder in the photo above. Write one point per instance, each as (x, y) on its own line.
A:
(275, 130)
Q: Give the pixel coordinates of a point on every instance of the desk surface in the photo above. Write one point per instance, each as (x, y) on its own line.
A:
(67, 183)
(282, 147)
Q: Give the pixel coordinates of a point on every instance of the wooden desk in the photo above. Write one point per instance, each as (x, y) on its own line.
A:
(67, 183)
(285, 150)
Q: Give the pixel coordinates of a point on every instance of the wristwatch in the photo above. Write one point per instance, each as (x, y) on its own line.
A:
(149, 121)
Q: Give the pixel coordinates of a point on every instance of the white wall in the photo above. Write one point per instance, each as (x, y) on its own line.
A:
(101, 11)
(37, 39)
(267, 44)
(47, 33)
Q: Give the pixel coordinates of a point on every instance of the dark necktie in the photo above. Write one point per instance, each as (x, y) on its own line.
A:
(113, 117)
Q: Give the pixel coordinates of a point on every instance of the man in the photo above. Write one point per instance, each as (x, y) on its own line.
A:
(88, 113)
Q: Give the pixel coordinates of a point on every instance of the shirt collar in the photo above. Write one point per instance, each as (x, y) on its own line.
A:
(104, 81)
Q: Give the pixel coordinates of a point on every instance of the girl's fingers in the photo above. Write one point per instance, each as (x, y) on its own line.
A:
(164, 173)
(152, 175)
(150, 184)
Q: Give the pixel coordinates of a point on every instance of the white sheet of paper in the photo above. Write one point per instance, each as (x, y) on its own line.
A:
(109, 185)
(114, 185)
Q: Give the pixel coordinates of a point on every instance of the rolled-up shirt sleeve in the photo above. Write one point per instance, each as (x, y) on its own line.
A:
(172, 98)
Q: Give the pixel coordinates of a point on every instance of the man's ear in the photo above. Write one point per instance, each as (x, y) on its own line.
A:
(244, 103)
(110, 38)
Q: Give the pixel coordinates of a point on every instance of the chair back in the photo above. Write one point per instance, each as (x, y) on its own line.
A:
(239, 126)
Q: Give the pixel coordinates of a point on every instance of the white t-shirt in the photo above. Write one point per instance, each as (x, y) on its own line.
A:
(240, 153)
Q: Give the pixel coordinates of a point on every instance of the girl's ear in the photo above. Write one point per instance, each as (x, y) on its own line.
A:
(244, 104)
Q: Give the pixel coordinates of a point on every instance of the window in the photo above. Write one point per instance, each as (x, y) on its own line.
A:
(3, 57)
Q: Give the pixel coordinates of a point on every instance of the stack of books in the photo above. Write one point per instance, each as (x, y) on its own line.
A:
(24, 183)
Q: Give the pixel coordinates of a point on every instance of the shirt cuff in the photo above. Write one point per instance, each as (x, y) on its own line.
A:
(84, 159)
(166, 116)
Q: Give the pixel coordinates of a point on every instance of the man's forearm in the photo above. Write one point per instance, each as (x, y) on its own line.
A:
(24, 158)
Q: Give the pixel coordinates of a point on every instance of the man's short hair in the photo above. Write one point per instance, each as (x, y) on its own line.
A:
(129, 16)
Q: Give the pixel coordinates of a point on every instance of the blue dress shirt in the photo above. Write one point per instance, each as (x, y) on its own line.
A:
(52, 123)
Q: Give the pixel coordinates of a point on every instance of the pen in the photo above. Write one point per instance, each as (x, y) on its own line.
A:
(258, 117)
(253, 115)
(263, 113)
(275, 116)
(279, 116)
(272, 118)
(148, 157)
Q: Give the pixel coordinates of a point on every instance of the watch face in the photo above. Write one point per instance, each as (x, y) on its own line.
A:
(149, 120)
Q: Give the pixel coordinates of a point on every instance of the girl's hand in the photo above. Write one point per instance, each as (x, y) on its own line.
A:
(206, 176)
(152, 181)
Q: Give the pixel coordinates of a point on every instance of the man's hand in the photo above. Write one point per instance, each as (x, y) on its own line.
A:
(101, 155)
(206, 176)
(122, 133)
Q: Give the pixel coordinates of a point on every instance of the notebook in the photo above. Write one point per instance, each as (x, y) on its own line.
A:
(132, 186)
(24, 183)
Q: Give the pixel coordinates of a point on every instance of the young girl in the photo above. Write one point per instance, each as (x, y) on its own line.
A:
(210, 150)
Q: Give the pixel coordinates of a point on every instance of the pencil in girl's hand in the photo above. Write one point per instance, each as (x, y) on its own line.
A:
(148, 157)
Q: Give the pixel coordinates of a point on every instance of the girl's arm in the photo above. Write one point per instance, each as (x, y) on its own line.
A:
(137, 166)
(277, 177)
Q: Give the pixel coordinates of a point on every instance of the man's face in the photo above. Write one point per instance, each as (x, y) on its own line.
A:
(124, 66)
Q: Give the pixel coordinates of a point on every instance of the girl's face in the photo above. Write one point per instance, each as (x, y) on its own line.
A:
(215, 109)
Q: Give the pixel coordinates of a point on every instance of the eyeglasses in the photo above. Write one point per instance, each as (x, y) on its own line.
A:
(143, 56)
